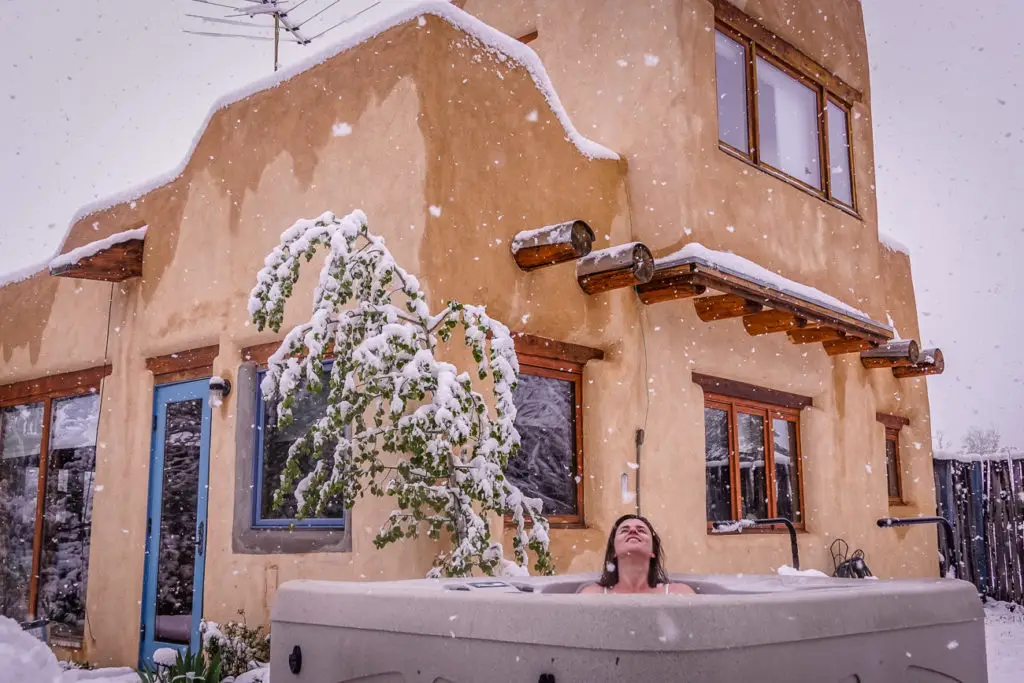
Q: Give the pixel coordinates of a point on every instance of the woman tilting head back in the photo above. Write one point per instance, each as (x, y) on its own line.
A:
(633, 561)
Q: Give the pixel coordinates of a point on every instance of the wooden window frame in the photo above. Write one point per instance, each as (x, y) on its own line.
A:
(758, 42)
(46, 390)
(733, 405)
(183, 365)
(893, 424)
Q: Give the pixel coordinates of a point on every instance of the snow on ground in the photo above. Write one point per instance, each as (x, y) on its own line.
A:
(1004, 640)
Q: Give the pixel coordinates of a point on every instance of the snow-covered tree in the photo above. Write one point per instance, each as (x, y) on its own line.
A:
(980, 441)
(398, 422)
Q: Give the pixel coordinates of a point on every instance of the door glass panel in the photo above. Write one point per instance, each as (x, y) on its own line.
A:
(753, 482)
(787, 483)
(177, 542)
(717, 466)
(70, 464)
(21, 433)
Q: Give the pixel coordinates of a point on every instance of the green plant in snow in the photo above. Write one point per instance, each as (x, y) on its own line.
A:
(201, 667)
(399, 422)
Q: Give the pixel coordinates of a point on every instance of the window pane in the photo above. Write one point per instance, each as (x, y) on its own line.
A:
(309, 406)
(731, 75)
(753, 479)
(839, 155)
(787, 481)
(718, 482)
(545, 467)
(178, 518)
(64, 564)
(787, 118)
(21, 433)
(892, 468)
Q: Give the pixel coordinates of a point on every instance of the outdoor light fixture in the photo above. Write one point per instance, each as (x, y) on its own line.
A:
(219, 390)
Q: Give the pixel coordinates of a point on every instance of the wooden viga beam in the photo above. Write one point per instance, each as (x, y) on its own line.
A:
(625, 265)
(813, 334)
(533, 249)
(724, 306)
(895, 354)
(930, 363)
(838, 347)
(771, 321)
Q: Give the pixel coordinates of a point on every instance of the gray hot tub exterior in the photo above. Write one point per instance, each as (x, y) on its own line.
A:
(738, 629)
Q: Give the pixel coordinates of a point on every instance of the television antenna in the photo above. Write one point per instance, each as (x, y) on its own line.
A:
(288, 26)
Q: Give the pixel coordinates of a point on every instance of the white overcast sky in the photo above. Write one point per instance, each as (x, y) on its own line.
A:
(98, 95)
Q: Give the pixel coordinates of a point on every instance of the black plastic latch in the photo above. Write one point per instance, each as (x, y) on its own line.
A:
(295, 660)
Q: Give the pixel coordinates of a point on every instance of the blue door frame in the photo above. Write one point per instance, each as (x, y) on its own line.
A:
(165, 395)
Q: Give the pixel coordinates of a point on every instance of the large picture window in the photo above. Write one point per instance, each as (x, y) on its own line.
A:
(774, 115)
(273, 442)
(47, 464)
(752, 460)
(549, 419)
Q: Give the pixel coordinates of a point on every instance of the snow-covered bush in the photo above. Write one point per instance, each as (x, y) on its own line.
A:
(240, 647)
(399, 422)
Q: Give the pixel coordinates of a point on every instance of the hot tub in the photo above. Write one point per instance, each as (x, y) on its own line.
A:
(538, 629)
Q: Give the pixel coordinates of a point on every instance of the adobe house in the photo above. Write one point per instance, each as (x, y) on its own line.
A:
(716, 297)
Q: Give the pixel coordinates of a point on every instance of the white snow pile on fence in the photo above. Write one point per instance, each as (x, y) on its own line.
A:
(892, 244)
(93, 248)
(745, 268)
(979, 457)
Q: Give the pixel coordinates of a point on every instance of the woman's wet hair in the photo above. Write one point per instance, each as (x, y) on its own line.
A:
(655, 570)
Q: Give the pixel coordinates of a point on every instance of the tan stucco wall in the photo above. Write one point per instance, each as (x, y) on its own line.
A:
(433, 127)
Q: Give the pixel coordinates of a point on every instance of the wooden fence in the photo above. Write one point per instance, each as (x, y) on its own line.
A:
(983, 499)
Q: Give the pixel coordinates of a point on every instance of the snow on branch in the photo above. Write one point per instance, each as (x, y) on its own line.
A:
(389, 395)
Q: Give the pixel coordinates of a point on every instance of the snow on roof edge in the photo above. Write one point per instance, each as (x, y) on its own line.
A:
(892, 244)
(486, 34)
(747, 268)
(93, 248)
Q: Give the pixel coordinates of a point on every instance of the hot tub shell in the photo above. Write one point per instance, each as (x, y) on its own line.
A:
(738, 628)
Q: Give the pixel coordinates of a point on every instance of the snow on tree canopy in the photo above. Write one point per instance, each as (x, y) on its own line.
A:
(446, 453)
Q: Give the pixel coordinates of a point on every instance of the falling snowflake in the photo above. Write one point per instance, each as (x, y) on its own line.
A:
(341, 129)
(651, 60)
(532, 116)
(435, 210)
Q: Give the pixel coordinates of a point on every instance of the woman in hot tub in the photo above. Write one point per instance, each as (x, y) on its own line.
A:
(633, 561)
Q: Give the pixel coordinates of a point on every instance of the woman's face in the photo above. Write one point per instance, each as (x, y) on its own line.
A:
(633, 537)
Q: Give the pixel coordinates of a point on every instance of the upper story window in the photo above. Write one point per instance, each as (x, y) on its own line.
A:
(273, 442)
(47, 463)
(773, 114)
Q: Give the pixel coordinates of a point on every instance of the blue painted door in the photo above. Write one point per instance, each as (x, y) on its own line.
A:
(172, 589)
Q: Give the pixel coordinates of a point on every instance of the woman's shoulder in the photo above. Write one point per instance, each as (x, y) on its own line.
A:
(592, 588)
(679, 588)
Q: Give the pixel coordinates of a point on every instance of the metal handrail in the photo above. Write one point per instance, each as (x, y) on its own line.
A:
(719, 527)
(951, 549)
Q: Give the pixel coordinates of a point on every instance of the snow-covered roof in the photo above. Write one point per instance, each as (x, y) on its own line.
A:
(93, 248)
(694, 252)
(373, 22)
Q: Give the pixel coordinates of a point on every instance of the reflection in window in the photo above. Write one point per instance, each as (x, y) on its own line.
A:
(787, 119)
(718, 482)
(70, 464)
(272, 454)
(21, 434)
(731, 69)
(740, 438)
(753, 482)
(545, 466)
